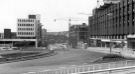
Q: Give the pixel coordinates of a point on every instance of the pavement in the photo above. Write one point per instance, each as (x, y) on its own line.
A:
(104, 50)
(125, 52)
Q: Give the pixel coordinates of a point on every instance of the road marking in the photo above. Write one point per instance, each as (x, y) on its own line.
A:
(44, 70)
(28, 72)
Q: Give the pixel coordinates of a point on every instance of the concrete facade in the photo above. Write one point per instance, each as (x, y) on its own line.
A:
(113, 21)
(30, 28)
(7, 33)
(78, 33)
(44, 37)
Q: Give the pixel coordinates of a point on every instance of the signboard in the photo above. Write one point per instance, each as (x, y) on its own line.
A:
(111, 1)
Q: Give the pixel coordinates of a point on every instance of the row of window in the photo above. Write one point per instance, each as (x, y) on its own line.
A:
(25, 24)
(24, 20)
(25, 33)
(29, 29)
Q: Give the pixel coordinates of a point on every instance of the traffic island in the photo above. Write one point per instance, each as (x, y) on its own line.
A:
(110, 58)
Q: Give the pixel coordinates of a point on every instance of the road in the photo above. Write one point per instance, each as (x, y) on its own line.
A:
(61, 59)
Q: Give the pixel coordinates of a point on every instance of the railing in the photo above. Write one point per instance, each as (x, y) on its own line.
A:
(90, 68)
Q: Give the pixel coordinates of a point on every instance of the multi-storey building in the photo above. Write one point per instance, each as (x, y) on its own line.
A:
(77, 34)
(7, 33)
(83, 33)
(44, 37)
(13, 35)
(113, 22)
(28, 33)
(30, 28)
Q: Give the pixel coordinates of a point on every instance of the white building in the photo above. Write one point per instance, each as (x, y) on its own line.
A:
(29, 28)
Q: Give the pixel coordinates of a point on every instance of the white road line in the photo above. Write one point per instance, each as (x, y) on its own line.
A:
(29, 73)
(44, 70)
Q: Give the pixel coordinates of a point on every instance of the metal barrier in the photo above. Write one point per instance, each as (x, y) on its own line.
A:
(88, 69)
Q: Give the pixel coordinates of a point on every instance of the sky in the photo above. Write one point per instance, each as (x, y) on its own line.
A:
(61, 10)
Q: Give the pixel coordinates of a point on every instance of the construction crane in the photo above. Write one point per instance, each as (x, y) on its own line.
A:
(69, 20)
(69, 24)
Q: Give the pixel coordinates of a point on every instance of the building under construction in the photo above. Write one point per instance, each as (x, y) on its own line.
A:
(78, 33)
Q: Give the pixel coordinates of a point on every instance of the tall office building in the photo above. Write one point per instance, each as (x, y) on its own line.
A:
(113, 22)
(29, 28)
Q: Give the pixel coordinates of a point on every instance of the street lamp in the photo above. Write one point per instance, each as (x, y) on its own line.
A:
(111, 44)
(70, 19)
(69, 25)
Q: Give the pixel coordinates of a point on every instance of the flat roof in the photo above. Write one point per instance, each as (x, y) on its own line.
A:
(18, 39)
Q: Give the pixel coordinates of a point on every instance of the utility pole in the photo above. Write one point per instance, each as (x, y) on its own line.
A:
(69, 25)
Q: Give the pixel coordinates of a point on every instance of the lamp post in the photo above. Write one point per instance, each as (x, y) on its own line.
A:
(70, 19)
(111, 47)
(69, 25)
(111, 44)
(69, 31)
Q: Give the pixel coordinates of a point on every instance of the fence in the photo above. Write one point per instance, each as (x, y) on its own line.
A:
(91, 69)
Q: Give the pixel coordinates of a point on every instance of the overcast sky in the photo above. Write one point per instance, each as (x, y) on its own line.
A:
(49, 10)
